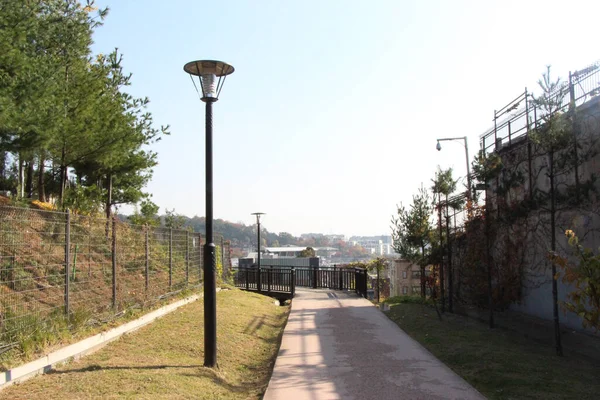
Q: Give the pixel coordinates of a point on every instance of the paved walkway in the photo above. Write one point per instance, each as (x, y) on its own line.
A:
(339, 346)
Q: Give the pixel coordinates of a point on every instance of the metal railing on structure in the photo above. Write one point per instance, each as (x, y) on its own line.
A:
(282, 281)
(524, 164)
(514, 121)
(276, 281)
(60, 265)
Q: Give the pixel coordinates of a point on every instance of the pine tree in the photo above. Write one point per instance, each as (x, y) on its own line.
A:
(411, 232)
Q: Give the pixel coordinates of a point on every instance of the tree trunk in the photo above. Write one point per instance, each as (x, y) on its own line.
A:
(489, 262)
(61, 192)
(422, 267)
(108, 201)
(41, 190)
(442, 294)
(450, 274)
(575, 130)
(21, 186)
(63, 176)
(2, 164)
(29, 179)
(557, 341)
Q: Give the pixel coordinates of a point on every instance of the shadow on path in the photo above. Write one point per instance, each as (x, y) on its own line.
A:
(339, 346)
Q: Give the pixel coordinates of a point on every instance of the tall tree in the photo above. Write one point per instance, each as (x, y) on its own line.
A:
(116, 160)
(443, 186)
(552, 136)
(411, 232)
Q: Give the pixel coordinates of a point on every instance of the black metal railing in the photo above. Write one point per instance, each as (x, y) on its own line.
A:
(282, 281)
(360, 278)
(276, 281)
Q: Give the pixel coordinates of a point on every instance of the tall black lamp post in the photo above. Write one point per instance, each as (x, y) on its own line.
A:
(258, 214)
(464, 138)
(211, 77)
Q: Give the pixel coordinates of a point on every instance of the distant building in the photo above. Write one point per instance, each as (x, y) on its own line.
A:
(405, 278)
(294, 251)
(336, 238)
(311, 235)
(375, 245)
(285, 252)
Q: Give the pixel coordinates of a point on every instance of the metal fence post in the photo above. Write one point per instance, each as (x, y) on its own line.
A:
(147, 250)
(269, 277)
(258, 281)
(67, 257)
(114, 263)
(170, 257)
(293, 282)
(187, 257)
(200, 258)
(247, 279)
(223, 269)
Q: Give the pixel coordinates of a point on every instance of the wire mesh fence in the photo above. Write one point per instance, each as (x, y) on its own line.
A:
(59, 268)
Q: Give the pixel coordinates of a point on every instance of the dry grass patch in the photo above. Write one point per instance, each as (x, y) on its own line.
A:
(164, 360)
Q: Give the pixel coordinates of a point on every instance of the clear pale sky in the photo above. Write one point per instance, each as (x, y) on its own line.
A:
(332, 114)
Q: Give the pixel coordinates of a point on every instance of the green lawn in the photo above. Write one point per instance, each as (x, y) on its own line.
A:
(501, 364)
(164, 360)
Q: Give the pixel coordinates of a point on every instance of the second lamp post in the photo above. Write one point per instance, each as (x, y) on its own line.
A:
(464, 138)
(258, 282)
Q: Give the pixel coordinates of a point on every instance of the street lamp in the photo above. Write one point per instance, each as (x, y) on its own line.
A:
(211, 77)
(258, 214)
(464, 138)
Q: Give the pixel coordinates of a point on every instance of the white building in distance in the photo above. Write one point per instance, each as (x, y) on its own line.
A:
(376, 245)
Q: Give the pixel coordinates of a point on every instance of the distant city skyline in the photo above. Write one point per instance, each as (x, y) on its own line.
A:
(330, 119)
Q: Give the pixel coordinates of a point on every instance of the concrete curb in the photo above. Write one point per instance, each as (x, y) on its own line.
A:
(74, 351)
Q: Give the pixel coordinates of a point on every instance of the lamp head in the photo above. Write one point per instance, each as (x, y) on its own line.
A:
(258, 214)
(438, 146)
(211, 75)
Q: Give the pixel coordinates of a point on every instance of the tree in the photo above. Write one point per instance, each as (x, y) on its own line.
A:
(552, 136)
(44, 47)
(529, 219)
(147, 214)
(308, 252)
(116, 159)
(411, 232)
(173, 220)
(59, 104)
(378, 265)
(443, 186)
(286, 238)
(585, 275)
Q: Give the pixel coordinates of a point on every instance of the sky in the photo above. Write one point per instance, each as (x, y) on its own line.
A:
(331, 117)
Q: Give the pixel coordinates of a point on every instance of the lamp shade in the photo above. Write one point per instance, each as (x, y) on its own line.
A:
(211, 74)
(205, 67)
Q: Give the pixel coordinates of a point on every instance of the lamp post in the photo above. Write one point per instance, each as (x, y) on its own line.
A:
(211, 77)
(464, 138)
(258, 214)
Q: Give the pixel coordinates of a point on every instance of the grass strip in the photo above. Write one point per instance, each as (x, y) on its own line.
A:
(164, 360)
(499, 363)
